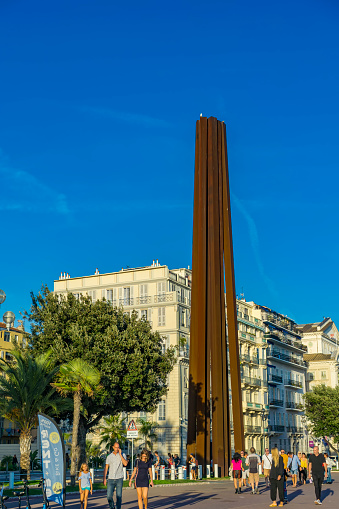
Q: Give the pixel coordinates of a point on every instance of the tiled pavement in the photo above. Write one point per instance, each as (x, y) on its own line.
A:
(209, 495)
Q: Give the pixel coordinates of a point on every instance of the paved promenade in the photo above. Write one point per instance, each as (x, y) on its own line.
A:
(209, 495)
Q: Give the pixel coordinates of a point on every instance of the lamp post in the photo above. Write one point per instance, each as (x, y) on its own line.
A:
(304, 423)
(8, 318)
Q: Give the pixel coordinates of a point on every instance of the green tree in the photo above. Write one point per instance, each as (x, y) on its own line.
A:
(322, 412)
(25, 391)
(123, 348)
(77, 377)
(147, 431)
(112, 430)
(34, 460)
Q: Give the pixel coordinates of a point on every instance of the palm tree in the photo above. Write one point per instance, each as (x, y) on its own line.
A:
(77, 377)
(93, 453)
(113, 430)
(24, 392)
(147, 430)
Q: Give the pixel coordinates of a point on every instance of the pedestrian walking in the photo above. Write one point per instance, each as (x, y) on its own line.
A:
(157, 464)
(266, 465)
(253, 461)
(114, 465)
(14, 461)
(285, 460)
(330, 463)
(293, 467)
(170, 462)
(245, 468)
(303, 468)
(317, 468)
(277, 478)
(300, 472)
(237, 469)
(85, 485)
(193, 464)
(143, 478)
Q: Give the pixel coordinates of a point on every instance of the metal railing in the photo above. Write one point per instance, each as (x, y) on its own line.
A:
(293, 383)
(248, 380)
(253, 429)
(292, 405)
(275, 378)
(276, 427)
(276, 402)
(285, 357)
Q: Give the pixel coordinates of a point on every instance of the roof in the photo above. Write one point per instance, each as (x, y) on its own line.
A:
(12, 329)
(317, 357)
(315, 327)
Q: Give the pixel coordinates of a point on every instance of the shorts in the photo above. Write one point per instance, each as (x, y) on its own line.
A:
(253, 477)
(294, 472)
(87, 488)
(236, 474)
(267, 472)
(245, 474)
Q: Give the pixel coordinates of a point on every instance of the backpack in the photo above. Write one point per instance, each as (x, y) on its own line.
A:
(253, 463)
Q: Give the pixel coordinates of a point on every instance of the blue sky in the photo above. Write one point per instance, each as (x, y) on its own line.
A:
(99, 101)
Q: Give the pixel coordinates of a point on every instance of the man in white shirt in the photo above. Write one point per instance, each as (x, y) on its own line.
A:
(115, 463)
(266, 466)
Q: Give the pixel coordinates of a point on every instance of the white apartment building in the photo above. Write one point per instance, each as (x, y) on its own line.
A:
(320, 337)
(252, 350)
(286, 371)
(322, 368)
(163, 297)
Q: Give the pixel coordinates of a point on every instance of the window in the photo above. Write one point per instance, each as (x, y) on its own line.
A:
(165, 343)
(182, 317)
(162, 410)
(323, 375)
(161, 317)
(310, 376)
(109, 295)
(92, 294)
(185, 406)
(161, 288)
(143, 313)
(143, 415)
(143, 294)
(7, 337)
(8, 356)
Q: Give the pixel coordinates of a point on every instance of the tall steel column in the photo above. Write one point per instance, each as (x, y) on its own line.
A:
(212, 265)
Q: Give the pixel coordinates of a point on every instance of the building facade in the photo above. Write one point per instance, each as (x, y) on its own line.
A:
(320, 337)
(9, 336)
(322, 368)
(286, 372)
(252, 351)
(163, 297)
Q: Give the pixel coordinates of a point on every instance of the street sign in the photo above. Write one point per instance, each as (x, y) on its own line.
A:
(311, 443)
(132, 430)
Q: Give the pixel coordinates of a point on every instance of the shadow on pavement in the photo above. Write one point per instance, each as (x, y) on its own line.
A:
(327, 493)
(291, 495)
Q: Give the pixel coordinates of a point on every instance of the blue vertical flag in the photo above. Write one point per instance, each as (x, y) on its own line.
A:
(53, 459)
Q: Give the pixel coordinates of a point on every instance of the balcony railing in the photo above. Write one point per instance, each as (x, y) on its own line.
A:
(252, 360)
(276, 427)
(276, 402)
(248, 380)
(285, 357)
(275, 379)
(253, 406)
(253, 429)
(145, 299)
(127, 301)
(295, 430)
(292, 405)
(294, 383)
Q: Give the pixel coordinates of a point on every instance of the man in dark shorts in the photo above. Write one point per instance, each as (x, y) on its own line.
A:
(317, 467)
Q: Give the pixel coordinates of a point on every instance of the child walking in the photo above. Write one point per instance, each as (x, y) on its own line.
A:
(85, 485)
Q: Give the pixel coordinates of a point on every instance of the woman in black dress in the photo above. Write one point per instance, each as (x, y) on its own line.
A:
(143, 478)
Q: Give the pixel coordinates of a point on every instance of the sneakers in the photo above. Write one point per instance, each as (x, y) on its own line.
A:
(239, 490)
(281, 504)
(257, 491)
(253, 492)
(274, 504)
(317, 502)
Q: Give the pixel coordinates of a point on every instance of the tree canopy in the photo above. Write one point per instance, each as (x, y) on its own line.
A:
(127, 353)
(322, 412)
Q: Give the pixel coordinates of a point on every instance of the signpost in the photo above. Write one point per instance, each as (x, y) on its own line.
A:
(311, 444)
(132, 432)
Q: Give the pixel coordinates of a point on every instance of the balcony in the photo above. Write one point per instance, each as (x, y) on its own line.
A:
(255, 407)
(291, 405)
(251, 360)
(277, 403)
(276, 428)
(253, 430)
(275, 379)
(144, 299)
(248, 380)
(285, 357)
(127, 301)
(293, 383)
(295, 430)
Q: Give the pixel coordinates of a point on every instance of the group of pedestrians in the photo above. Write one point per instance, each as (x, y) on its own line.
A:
(277, 466)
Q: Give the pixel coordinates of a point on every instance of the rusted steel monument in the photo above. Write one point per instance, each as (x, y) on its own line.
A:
(214, 354)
